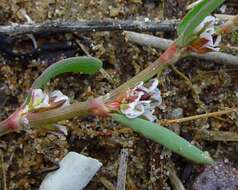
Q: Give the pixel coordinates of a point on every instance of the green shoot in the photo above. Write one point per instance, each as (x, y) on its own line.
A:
(193, 19)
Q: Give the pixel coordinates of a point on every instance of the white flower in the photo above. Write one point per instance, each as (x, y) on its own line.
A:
(142, 100)
(152, 90)
(40, 99)
(58, 96)
(207, 24)
(132, 110)
(207, 31)
(223, 9)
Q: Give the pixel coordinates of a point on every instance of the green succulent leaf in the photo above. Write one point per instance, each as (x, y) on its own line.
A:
(85, 65)
(194, 18)
(165, 137)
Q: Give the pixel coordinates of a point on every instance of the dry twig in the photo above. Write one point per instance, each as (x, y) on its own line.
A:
(190, 85)
(163, 44)
(4, 180)
(89, 26)
(103, 71)
(175, 181)
(224, 136)
(121, 179)
(130, 184)
(224, 16)
(57, 26)
(107, 183)
(201, 116)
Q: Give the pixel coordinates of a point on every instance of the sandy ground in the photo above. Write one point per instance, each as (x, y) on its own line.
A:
(29, 155)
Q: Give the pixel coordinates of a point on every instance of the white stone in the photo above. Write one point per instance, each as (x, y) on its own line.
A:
(75, 173)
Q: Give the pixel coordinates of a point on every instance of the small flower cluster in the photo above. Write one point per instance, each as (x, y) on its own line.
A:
(38, 102)
(142, 100)
(208, 40)
(42, 101)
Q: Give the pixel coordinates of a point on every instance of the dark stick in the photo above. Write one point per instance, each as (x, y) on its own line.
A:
(7, 51)
(89, 26)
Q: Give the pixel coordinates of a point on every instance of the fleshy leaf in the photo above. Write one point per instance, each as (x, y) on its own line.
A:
(165, 137)
(194, 18)
(85, 65)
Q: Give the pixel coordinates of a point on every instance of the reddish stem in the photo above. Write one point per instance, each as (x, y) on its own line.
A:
(12, 123)
(229, 27)
(168, 54)
(98, 106)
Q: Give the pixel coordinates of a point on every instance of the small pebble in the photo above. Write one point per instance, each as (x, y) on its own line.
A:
(221, 175)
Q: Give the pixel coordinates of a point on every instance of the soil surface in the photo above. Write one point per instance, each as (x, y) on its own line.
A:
(26, 157)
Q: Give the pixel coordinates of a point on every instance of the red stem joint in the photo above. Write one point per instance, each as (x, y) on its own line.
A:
(97, 107)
